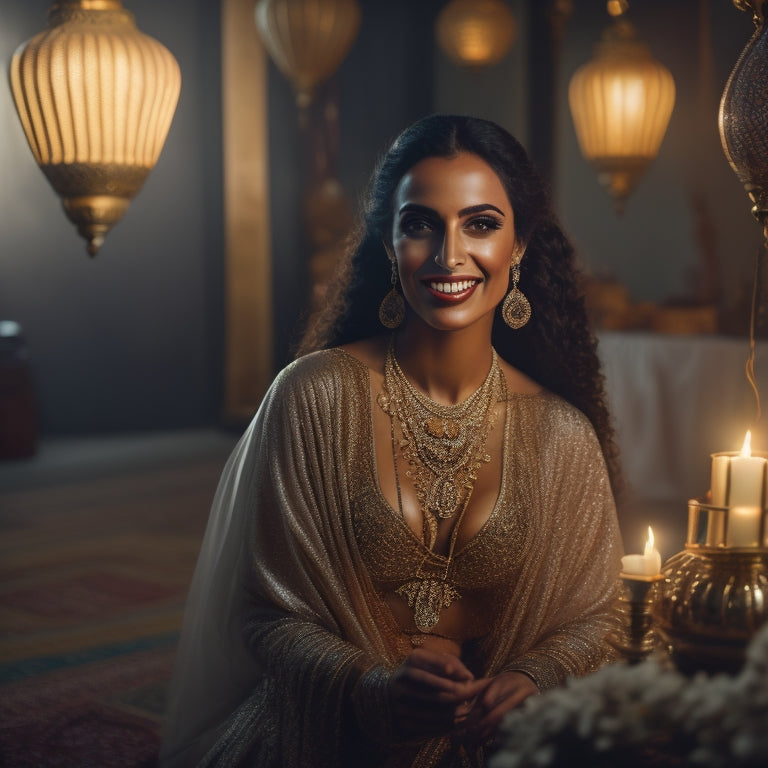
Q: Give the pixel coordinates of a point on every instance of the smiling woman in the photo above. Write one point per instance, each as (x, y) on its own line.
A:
(454, 238)
(417, 532)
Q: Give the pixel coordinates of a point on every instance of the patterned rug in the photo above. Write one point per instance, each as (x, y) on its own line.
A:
(105, 714)
(93, 578)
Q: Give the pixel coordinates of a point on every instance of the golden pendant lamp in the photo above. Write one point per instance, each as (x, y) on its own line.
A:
(307, 39)
(621, 102)
(96, 98)
(475, 33)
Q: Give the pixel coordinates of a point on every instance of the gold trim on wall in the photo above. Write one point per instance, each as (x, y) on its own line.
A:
(248, 279)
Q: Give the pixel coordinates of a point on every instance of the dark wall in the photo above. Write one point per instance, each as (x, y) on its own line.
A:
(133, 339)
(386, 82)
(130, 339)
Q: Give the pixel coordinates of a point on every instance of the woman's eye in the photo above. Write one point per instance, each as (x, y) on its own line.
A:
(415, 226)
(483, 224)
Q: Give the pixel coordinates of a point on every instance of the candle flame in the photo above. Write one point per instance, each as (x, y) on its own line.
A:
(649, 543)
(746, 449)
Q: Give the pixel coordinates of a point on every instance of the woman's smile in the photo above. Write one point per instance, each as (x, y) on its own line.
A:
(453, 290)
(454, 239)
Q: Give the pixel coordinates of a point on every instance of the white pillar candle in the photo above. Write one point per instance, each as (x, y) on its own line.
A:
(746, 497)
(718, 488)
(719, 480)
(647, 564)
(747, 478)
(744, 526)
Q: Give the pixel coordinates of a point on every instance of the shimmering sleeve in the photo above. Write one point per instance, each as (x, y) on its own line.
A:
(306, 619)
(573, 575)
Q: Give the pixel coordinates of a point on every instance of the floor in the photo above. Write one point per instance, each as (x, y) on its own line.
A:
(98, 540)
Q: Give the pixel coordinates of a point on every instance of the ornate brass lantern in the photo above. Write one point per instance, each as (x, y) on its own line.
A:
(621, 102)
(743, 117)
(96, 98)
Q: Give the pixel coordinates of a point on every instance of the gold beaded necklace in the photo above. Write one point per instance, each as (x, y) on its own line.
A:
(444, 447)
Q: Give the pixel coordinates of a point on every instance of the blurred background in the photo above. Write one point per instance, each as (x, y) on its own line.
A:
(135, 338)
(127, 377)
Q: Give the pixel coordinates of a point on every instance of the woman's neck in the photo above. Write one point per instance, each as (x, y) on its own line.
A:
(447, 365)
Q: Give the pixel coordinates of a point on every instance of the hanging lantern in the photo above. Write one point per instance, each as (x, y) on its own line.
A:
(743, 115)
(96, 98)
(307, 39)
(475, 33)
(621, 102)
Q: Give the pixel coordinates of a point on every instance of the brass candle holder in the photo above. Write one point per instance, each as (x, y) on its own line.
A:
(713, 597)
(633, 636)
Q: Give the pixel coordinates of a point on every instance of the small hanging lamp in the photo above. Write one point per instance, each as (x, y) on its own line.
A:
(307, 39)
(743, 115)
(475, 33)
(96, 98)
(621, 102)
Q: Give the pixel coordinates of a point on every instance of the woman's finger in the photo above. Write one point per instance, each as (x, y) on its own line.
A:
(428, 686)
(443, 664)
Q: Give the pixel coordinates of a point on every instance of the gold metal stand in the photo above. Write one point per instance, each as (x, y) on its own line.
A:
(633, 636)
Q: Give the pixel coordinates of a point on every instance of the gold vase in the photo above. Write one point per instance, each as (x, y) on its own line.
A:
(712, 599)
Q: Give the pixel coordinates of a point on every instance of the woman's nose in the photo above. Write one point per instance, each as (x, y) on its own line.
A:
(450, 254)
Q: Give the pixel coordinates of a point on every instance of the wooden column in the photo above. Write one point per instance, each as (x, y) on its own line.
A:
(248, 279)
(547, 20)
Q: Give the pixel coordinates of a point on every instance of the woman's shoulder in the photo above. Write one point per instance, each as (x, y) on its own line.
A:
(556, 414)
(316, 383)
(320, 368)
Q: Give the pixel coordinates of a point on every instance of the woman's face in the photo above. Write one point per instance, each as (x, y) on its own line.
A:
(454, 239)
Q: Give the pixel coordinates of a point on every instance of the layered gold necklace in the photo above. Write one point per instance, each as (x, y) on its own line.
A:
(443, 447)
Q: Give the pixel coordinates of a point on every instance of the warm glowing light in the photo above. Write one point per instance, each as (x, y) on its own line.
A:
(746, 448)
(621, 102)
(649, 543)
(95, 97)
(617, 7)
(645, 565)
(476, 33)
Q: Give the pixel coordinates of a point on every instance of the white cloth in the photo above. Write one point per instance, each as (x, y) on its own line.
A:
(675, 400)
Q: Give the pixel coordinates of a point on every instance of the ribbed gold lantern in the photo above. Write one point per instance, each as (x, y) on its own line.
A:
(307, 39)
(621, 102)
(475, 33)
(96, 98)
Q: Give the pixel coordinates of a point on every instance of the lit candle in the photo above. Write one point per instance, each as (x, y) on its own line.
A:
(747, 477)
(746, 497)
(647, 564)
(719, 481)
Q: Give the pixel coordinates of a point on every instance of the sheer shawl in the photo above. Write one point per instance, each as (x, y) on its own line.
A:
(282, 623)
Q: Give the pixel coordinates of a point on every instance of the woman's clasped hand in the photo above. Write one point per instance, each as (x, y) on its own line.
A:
(433, 692)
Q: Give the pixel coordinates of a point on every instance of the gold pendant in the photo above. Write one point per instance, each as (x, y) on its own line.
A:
(427, 597)
(442, 428)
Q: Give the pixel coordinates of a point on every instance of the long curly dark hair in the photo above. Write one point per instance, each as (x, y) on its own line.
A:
(556, 348)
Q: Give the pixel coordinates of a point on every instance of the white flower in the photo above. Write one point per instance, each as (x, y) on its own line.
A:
(620, 706)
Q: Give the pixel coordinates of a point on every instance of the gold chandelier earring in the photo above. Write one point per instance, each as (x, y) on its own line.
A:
(516, 309)
(392, 307)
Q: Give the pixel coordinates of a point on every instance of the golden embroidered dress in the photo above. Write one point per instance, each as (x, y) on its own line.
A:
(287, 638)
